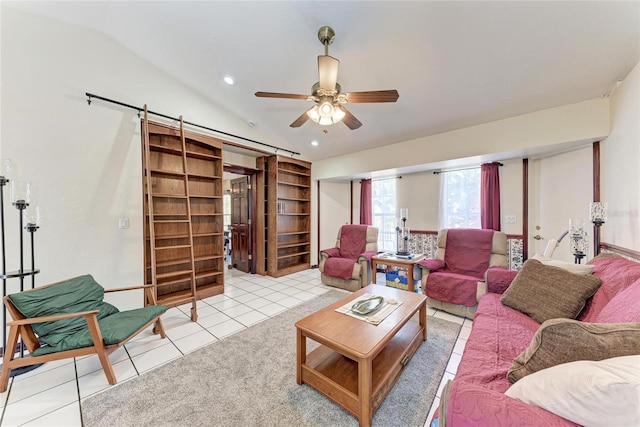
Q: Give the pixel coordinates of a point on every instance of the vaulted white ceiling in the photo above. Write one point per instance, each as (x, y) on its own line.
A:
(455, 64)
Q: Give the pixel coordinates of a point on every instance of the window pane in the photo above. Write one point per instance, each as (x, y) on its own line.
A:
(461, 199)
(383, 203)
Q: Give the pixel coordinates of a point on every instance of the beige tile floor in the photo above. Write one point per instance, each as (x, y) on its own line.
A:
(52, 394)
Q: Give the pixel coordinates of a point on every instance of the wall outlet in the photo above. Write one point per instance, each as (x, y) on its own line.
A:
(123, 223)
(510, 219)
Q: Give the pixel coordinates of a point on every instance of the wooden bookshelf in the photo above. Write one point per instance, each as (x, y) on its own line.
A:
(183, 229)
(288, 212)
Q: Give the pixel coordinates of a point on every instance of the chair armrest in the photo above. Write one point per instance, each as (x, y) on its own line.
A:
(130, 288)
(465, 404)
(431, 264)
(148, 294)
(498, 279)
(43, 319)
(367, 256)
(331, 252)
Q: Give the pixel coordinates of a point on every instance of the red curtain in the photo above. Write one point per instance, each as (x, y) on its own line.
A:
(366, 217)
(490, 196)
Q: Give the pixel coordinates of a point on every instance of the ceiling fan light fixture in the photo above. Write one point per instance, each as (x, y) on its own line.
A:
(314, 113)
(338, 114)
(325, 121)
(326, 109)
(318, 114)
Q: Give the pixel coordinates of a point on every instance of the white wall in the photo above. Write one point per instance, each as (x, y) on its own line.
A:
(334, 211)
(84, 161)
(237, 159)
(588, 120)
(620, 166)
(511, 195)
(357, 186)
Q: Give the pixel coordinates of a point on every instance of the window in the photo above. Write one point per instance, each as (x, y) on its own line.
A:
(383, 202)
(460, 199)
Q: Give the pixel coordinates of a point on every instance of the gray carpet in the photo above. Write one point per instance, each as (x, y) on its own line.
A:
(249, 379)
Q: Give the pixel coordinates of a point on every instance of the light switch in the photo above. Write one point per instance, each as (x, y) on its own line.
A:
(510, 219)
(123, 223)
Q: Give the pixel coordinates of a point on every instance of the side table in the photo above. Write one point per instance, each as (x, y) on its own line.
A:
(391, 260)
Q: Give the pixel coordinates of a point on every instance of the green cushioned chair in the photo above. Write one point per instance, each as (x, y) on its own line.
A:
(70, 319)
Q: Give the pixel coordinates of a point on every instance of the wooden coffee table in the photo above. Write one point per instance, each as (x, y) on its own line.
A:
(357, 363)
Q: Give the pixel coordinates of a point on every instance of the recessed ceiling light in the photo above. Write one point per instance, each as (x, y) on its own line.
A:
(229, 80)
(314, 143)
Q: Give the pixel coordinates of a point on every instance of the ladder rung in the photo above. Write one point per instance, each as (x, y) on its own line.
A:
(158, 248)
(172, 196)
(173, 282)
(171, 262)
(173, 274)
(207, 273)
(165, 149)
(207, 258)
(203, 176)
(175, 299)
(177, 236)
(166, 172)
(202, 155)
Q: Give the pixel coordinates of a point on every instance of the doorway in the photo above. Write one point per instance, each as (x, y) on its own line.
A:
(239, 227)
(240, 230)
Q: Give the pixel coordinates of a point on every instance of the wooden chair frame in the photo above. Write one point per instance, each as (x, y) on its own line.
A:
(21, 327)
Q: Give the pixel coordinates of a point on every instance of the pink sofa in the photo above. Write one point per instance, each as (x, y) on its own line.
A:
(499, 334)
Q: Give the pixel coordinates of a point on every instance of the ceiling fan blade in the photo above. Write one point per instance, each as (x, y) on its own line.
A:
(350, 120)
(372, 96)
(300, 120)
(280, 95)
(328, 72)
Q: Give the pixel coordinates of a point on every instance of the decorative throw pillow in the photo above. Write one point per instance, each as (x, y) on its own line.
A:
(569, 266)
(545, 292)
(624, 307)
(589, 393)
(564, 340)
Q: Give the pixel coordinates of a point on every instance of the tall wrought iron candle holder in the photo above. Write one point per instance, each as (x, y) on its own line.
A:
(402, 232)
(579, 243)
(598, 215)
(20, 198)
(33, 217)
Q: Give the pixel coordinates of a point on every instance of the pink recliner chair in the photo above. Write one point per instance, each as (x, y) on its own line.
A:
(348, 265)
(455, 279)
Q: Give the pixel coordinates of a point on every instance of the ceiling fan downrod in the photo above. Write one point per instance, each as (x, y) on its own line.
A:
(326, 35)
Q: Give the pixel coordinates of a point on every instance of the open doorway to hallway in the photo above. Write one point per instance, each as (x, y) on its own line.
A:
(239, 205)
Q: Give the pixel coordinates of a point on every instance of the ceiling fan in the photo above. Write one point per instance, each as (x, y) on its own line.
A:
(327, 93)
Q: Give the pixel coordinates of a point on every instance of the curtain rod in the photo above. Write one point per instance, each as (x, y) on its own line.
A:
(91, 95)
(459, 169)
(384, 179)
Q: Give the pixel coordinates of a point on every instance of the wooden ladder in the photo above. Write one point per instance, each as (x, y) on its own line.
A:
(172, 272)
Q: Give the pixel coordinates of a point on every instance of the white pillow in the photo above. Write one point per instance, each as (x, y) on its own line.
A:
(590, 393)
(573, 268)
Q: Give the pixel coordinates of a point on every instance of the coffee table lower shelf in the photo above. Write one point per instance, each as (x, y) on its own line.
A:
(336, 375)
